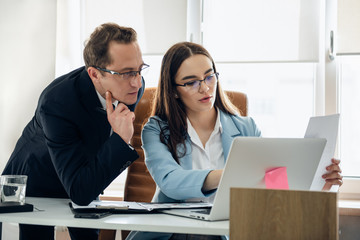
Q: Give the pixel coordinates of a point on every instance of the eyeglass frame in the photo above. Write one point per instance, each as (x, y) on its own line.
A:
(133, 73)
(216, 74)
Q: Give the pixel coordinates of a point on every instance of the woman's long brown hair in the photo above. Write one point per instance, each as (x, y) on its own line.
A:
(171, 109)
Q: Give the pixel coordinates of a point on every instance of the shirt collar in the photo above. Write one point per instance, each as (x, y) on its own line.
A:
(103, 101)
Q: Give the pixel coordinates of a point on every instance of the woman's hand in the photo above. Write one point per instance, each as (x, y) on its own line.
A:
(333, 175)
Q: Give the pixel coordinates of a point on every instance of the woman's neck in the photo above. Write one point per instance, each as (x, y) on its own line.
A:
(203, 119)
(203, 123)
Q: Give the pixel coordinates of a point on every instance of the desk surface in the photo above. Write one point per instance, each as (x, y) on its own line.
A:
(56, 212)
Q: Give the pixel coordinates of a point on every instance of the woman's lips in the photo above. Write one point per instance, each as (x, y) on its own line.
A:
(205, 99)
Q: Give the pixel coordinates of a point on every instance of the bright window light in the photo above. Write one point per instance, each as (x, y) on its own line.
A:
(349, 79)
(280, 95)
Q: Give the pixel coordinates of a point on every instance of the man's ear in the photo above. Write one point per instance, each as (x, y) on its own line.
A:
(94, 74)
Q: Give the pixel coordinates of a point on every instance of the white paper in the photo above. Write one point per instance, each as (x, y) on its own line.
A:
(110, 205)
(323, 127)
(183, 205)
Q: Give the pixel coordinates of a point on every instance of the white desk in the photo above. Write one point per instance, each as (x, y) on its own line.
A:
(56, 212)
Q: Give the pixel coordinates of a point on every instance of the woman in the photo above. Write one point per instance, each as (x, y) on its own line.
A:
(187, 139)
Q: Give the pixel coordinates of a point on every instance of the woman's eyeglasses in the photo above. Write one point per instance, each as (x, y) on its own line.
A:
(194, 85)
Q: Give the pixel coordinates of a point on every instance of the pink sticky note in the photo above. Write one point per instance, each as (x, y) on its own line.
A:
(276, 178)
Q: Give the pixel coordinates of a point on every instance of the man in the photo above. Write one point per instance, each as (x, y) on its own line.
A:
(78, 141)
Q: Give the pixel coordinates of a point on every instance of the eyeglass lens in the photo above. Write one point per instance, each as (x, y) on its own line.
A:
(133, 74)
(209, 81)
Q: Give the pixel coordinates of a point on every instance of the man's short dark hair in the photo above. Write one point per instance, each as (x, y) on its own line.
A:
(96, 48)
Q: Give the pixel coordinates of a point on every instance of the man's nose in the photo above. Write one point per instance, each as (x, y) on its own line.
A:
(136, 81)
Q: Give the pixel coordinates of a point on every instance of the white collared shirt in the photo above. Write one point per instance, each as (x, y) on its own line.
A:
(212, 155)
(103, 101)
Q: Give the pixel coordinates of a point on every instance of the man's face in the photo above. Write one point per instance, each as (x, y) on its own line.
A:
(124, 87)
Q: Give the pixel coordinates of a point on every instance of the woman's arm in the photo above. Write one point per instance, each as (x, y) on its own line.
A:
(176, 181)
(212, 180)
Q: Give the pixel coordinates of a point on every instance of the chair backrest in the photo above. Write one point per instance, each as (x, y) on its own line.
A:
(139, 185)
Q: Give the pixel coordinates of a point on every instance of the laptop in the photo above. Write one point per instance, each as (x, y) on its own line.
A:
(248, 161)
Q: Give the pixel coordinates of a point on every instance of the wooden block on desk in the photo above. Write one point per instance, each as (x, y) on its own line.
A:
(283, 214)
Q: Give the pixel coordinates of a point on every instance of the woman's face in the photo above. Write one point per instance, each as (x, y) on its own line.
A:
(197, 98)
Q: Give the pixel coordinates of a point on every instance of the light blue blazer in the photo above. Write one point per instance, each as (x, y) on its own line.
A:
(180, 182)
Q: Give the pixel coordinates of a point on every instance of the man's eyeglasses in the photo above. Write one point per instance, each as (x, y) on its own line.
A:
(194, 86)
(130, 75)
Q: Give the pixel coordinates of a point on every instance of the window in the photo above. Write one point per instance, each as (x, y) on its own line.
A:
(262, 30)
(281, 95)
(349, 85)
(348, 76)
(268, 50)
(267, 54)
(349, 81)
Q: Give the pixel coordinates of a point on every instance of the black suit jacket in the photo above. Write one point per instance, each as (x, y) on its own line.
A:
(66, 149)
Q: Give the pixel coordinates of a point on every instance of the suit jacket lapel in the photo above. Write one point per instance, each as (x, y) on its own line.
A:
(92, 104)
(186, 161)
(230, 131)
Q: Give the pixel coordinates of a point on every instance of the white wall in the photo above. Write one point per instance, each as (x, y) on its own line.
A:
(27, 64)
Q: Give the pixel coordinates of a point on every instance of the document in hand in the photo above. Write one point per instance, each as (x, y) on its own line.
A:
(133, 207)
(324, 127)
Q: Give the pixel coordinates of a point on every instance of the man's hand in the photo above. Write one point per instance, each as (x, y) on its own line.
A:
(121, 118)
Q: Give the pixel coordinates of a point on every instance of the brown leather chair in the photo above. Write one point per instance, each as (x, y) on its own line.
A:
(139, 185)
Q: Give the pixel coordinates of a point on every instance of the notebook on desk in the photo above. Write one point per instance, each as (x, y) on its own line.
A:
(248, 160)
(98, 206)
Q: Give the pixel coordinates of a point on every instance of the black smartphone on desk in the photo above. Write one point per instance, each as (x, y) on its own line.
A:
(92, 215)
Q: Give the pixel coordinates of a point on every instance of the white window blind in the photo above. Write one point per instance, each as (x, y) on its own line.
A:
(159, 23)
(262, 30)
(348, 27)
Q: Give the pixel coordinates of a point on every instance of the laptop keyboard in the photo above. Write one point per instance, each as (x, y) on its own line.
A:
(204, 211)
